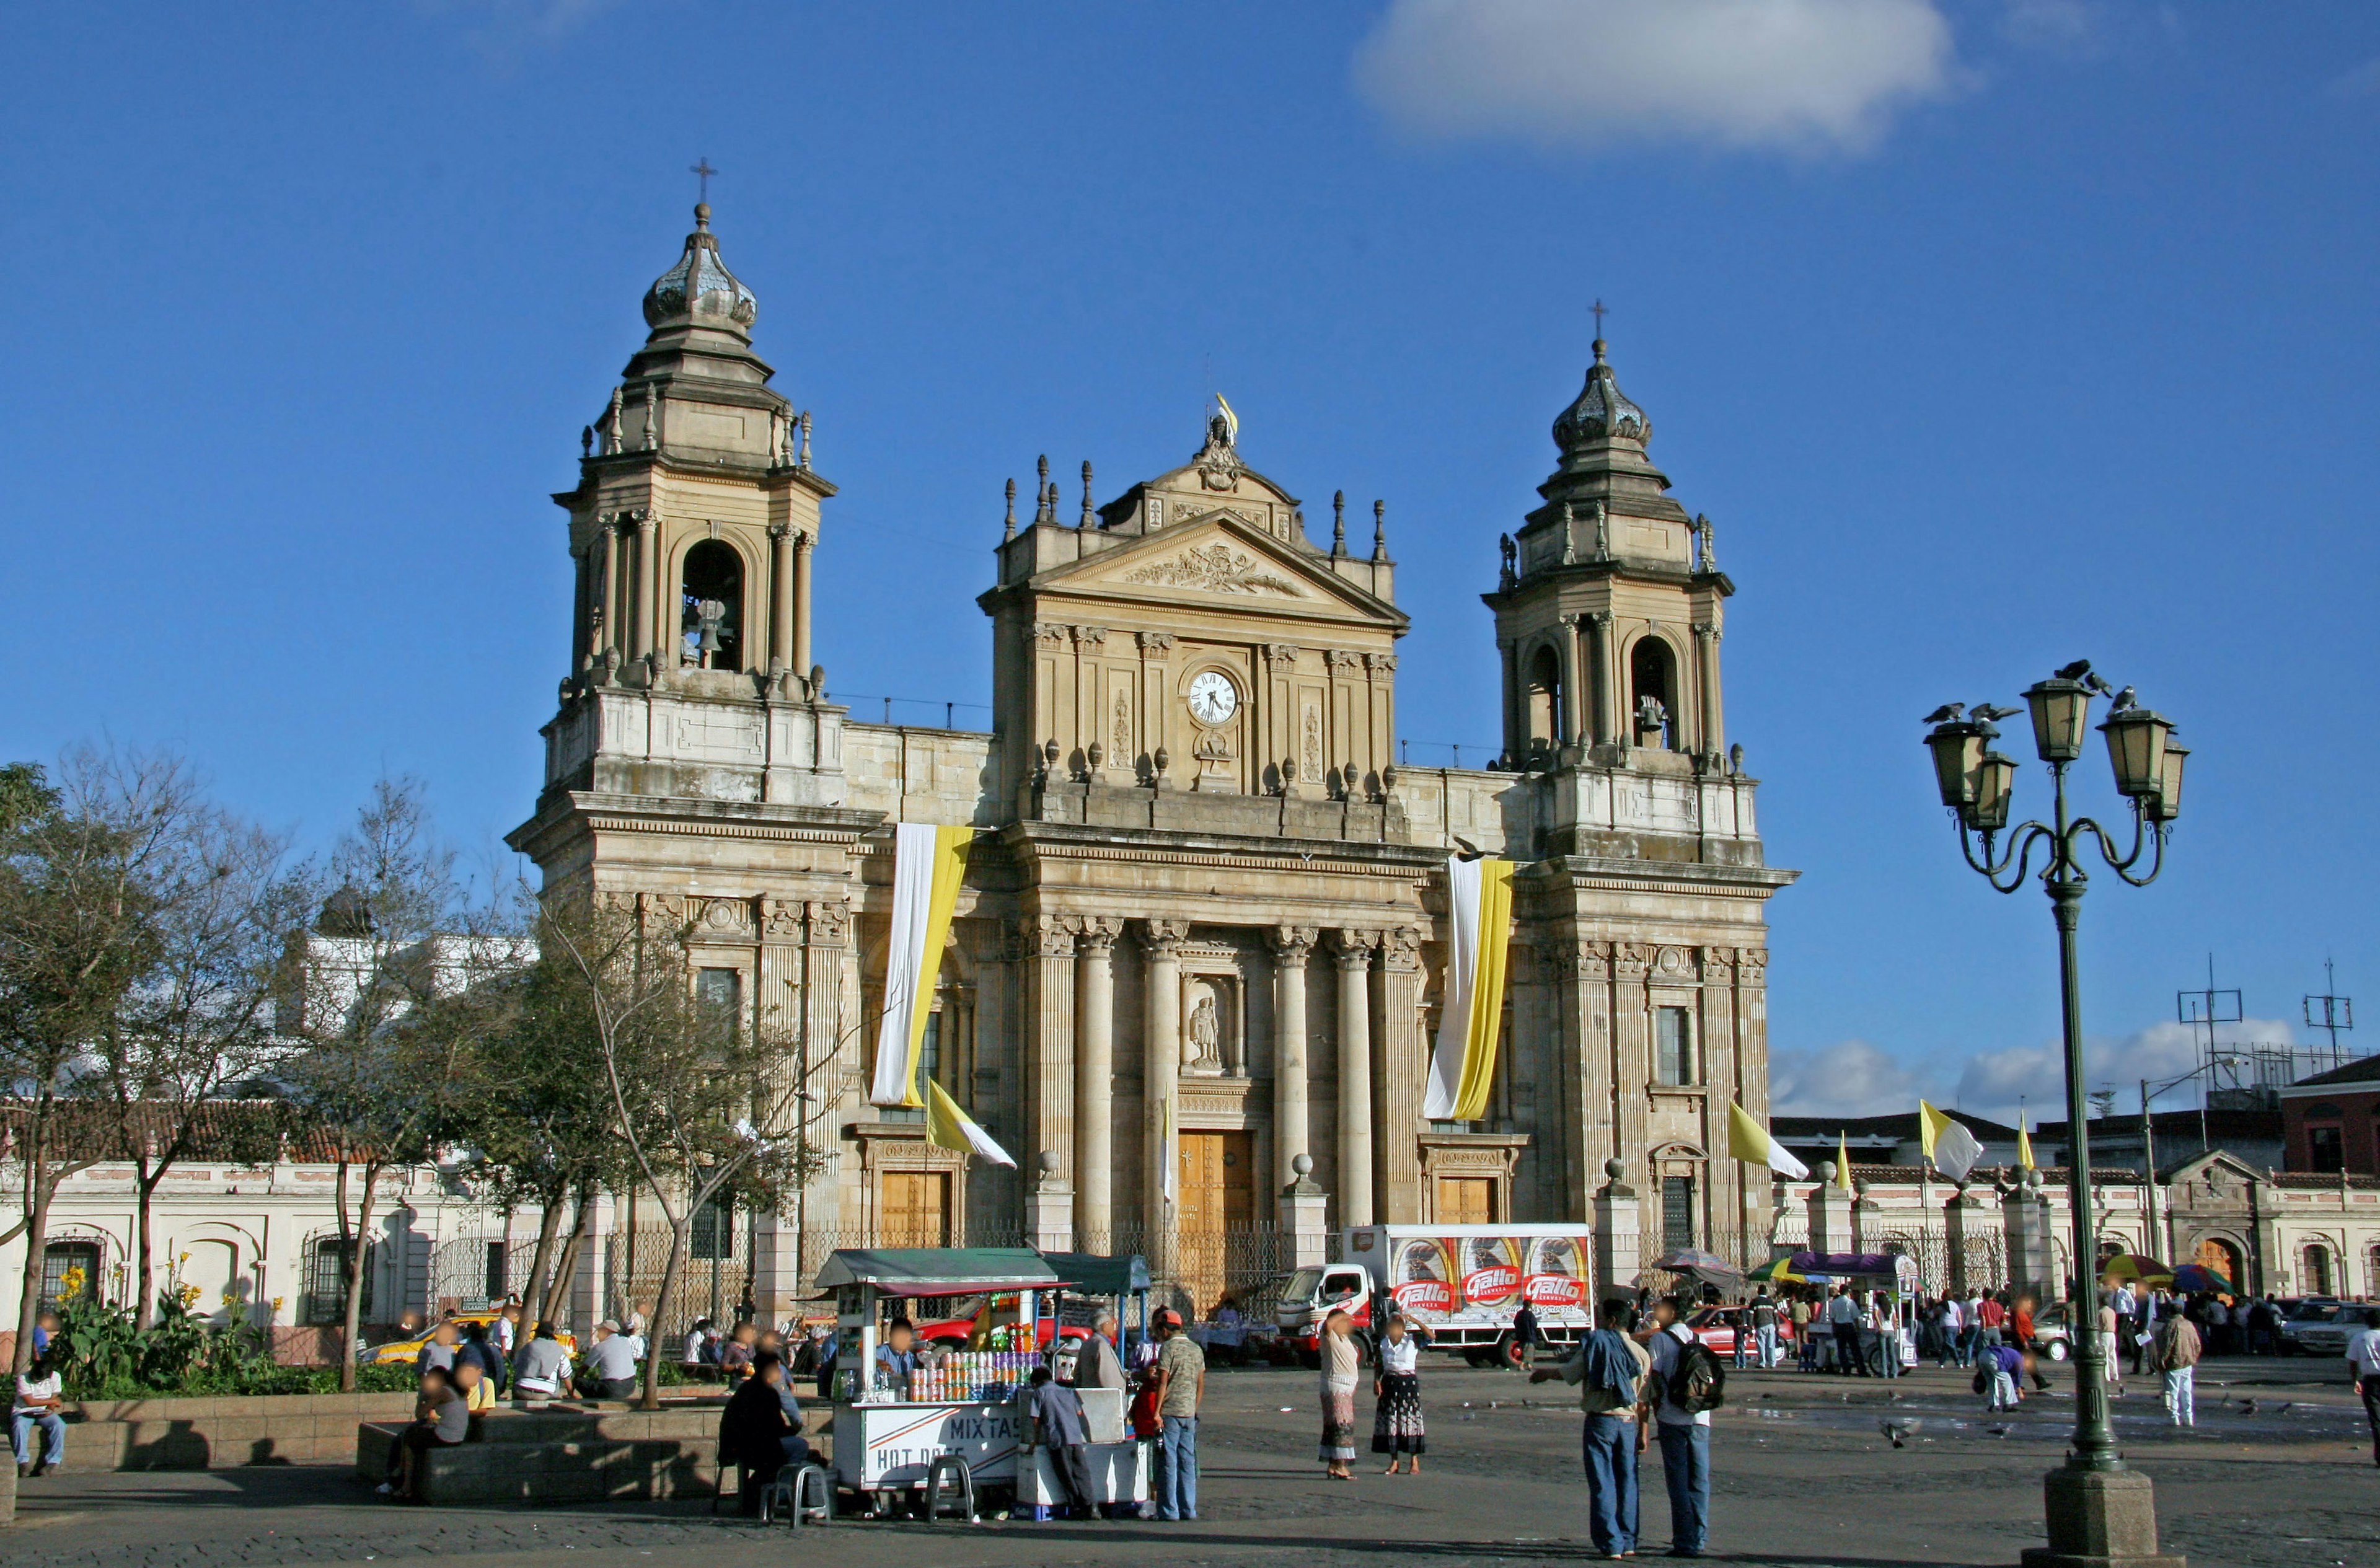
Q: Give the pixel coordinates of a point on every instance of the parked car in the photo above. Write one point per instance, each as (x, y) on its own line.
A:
(406, 1352)
(1718, 1327)
(2049, 1332)
(2303, 1313)
(2329, 1336)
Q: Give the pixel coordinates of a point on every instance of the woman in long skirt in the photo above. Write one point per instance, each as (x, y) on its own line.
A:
(1396, 1425)
(1341, 1366)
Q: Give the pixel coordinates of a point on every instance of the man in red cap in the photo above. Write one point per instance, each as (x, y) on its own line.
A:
(1181, 1381)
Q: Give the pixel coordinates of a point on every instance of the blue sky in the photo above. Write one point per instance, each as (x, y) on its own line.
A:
(1991, 334)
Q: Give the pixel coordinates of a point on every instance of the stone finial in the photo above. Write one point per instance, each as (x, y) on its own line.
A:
(1825, 1171)
(1710, 542)
(1615, 1169)
(817, 683)
(1008, 525)
(1042, 513)
(804, 460)
(587, 440)
(1085, 521)
(1303, 1164)
(1163, 760)
(1338, 522)
(1379, 531)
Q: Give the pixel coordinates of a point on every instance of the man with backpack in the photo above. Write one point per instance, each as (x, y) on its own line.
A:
(1692, 1384)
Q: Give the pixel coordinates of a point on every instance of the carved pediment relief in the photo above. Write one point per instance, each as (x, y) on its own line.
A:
(1215, 568)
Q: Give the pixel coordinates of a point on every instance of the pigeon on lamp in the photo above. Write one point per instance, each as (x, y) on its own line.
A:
(2126, 700)
(1991, 713)
(1946, 713)
(2075, 671)
(2095, 683)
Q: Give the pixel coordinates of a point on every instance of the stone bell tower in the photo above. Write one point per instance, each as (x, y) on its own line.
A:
(691, 533)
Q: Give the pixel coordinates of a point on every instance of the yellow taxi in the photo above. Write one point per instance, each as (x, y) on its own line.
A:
(406, 1352)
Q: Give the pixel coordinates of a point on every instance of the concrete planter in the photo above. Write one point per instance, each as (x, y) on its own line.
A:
(220, 1433)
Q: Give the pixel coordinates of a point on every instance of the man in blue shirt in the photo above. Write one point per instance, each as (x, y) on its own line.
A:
(897, 1357)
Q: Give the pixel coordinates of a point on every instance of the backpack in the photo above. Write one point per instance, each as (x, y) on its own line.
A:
(1698, 1380)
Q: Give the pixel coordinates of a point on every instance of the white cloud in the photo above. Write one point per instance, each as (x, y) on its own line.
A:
(1803, 75)
(2065, 26)
(1848, 1079)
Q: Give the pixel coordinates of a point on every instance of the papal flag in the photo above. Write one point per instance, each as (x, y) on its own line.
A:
(1755, 1145)
(2023, 1145)
(1169, 1153)
(950, 1127)
(927, 863)
(1480, 914)
(1951, 1148)
(1843, 1162)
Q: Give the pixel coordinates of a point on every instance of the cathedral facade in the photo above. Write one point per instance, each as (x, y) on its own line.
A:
(1199, 869)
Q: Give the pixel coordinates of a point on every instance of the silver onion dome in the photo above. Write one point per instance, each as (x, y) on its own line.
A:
(700, 291)
(1601, 411)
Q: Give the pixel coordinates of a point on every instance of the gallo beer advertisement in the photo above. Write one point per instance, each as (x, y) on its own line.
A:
(1442, 1278)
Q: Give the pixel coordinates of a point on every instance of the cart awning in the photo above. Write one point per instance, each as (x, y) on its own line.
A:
(937, 1270)
(1091, 1274)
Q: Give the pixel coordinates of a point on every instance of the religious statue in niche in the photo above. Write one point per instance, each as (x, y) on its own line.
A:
(1209, 1043)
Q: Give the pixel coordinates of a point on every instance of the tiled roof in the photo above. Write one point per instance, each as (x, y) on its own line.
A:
(2364, 1072)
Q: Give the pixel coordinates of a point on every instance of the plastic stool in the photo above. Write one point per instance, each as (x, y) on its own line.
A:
(792, 1490)
(953, 1465)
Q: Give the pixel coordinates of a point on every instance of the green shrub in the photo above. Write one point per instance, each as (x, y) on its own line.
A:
(108, 1356)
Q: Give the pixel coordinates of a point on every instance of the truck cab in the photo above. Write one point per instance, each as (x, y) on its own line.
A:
(1313, 1295)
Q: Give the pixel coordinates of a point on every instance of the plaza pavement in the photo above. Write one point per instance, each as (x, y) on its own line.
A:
(1804, 1479)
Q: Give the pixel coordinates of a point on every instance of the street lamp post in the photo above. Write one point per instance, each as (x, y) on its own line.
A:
(2099, 1513)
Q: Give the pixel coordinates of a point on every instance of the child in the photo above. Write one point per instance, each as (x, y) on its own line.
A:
(1058, 1426)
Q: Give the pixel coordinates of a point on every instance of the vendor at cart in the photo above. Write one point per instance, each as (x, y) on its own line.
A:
(897, 1357)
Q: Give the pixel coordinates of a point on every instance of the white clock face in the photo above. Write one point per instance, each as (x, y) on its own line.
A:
(1213, 698)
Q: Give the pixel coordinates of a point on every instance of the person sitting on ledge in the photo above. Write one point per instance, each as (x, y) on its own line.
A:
(760, 1429)
(441, 1418)
(542, 1367)
(611, 1368)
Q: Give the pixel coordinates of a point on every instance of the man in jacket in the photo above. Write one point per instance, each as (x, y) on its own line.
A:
(755, 1432)
(1095, 1364)
(2175, 1353)
(1610, 1371)
(1843, 1318)
(1058, 1426)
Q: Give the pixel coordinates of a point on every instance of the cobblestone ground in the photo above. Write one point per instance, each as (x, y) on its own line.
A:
(1803, 1478)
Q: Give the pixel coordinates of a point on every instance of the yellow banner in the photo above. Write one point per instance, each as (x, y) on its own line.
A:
(1486, 1021)
(928, 863)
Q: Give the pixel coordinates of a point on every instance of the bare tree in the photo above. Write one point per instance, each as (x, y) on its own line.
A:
(703, 1103)
(199, 1022)
(77, 933)
(390, 1002)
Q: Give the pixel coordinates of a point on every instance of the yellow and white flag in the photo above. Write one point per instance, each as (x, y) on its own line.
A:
(1843, 1162)
(1754, 1145)
(2023, 1145)
(927, 863)
(950, 1127)
(1953, 1150)
(1462, 1069)
(1231, 420)
(1169, 1153)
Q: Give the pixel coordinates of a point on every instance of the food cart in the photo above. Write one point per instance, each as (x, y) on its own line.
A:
(1123, 1281)
(974, 1403)
(1895, 1273)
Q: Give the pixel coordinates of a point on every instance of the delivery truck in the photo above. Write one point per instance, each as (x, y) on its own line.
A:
(1463, 1283)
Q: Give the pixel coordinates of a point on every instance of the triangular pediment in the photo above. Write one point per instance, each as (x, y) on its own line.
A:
(1216, 558)
(2220, 1164)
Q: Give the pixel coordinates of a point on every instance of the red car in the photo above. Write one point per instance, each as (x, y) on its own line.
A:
(1717, 1326)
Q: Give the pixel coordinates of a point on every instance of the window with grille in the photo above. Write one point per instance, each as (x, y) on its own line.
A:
(61, 1259)
(714, 1230)
(1677, 1212)
(326, 1285)
(721, 988)
(1673, 1046)
(2317, 1270)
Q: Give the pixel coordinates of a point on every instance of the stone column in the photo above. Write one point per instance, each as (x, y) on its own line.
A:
(640, 613)
(1291, 947)
(1354, 956)
(1050, 1045)
(1048, 1207)
(803, 539)
(1397, 1063)
(1611, 706)
(1956, 1215)
(1573, 722)
(1619, 1235)
(1706, 638)
(1095, 1082)
(781, 596)
(612, 592)
(2031, 1261)
(1830, 1213)
(1160, 1070)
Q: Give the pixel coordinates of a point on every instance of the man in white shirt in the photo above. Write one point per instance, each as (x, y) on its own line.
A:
(1843, 1318)
(2364, 1362)
(610, 1371)
(1686, 1435)
(40, 1402)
